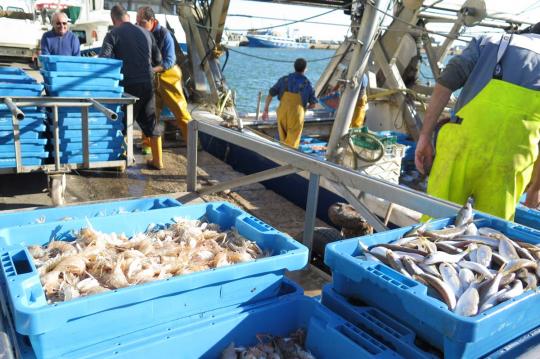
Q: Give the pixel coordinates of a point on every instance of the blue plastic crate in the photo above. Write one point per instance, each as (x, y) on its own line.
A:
(527, 216)
(27, 116)
(92, 157)
(327, 335)
(24, 125)
(93, 120)
(96, 65)
(408, 300)
(95, 318)
(95, 92)
(93, 146)
(287, 289)
(4, 70)
(17, 79)
(20, 89)
(26, 161)
(81, 211)
(25, 147)
(524, 344)
(41, 153)
(94, 135)
(76, 112)
(33, 133)
(371, 320)
(80, 78)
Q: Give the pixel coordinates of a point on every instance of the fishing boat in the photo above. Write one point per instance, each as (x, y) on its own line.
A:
(274, 40)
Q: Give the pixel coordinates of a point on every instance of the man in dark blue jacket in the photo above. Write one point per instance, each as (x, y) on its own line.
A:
(138, 50)
(59, 40)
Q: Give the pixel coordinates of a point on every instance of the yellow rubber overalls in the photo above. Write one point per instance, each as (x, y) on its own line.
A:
(359, 115)
(491, 154)
(169, 92)
(290, 116)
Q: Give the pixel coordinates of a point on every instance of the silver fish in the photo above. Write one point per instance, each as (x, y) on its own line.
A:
(488, 241)
(467, 304)
(483, 255)
(466, 277)
(490, 232)
(472, 230)
(447, 248)
(446, 233)
(411, 266)
(507, 279)
(517, 264)
(492, 301)
(476, 267)
(515, 290)
(396, 264)
(507, 249)
(443, 289)
(432, 269)
(531, 281)
(450, 276)
(490, 287)
(464, 215)
(416, 257)
(440, 257)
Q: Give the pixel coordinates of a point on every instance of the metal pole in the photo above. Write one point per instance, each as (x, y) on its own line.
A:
(258, 106)
(111, 115)
(192, 155)
(129, 134)
(311, 210)
(17, 141)
(15, 111)
(365, 39)
(85, 137)
(56, 139)
(249, 179)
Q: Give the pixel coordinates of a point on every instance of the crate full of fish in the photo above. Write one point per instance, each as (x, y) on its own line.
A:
(82, 211)
(465, 286)
(94, 279)
(289, 326)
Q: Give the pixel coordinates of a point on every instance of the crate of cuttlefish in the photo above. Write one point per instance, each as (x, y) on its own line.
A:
(92, 280)
(464, 284)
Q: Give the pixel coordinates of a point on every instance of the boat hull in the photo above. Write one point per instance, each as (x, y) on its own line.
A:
(260, 41)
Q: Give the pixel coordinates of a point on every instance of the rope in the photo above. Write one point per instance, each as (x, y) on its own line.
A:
(280, 60)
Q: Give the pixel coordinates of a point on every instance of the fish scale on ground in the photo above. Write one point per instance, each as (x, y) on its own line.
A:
(470, 273)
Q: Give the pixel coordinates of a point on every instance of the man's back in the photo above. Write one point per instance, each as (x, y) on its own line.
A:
(132, 45)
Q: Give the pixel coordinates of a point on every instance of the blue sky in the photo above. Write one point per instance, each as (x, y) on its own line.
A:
(530, 9)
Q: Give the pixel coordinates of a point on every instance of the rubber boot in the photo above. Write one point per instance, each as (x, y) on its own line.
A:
(146, 146)
(157, 154)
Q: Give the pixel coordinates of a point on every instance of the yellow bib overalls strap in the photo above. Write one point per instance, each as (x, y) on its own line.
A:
(169, 92)
(491, 153)
(290, 116)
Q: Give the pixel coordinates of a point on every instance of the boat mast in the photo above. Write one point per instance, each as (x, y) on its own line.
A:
(365, 21)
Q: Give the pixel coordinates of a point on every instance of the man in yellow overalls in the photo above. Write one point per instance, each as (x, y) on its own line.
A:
(169, 90)
(489, 149)
(295, 94)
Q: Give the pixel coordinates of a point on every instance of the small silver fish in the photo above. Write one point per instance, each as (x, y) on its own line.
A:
(466, 277)
(440, 257)
(411, 266)
(450, 276)
(467, 304)
(483, 255)
(517, 264)
(515, 290)
(464, 215)
(475, 267)
(492, 301)
(443, 289)
(507, 250)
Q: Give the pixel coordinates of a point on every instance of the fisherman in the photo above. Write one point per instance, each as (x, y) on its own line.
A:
(59, 40)
(138, 50)
(489, 149)
(295, 94)
(331, 102)
(168, 83)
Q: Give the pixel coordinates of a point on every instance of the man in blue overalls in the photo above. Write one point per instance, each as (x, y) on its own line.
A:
(295, 95)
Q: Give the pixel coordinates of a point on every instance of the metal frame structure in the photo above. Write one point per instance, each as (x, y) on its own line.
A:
(344, 178)
(56, 171)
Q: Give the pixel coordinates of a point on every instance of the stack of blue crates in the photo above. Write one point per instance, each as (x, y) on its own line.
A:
(14, 82)
(410, 302)
(86, 77)
(68, 76)
(199, 315)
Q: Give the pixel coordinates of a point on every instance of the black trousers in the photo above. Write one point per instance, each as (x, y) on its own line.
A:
(144, 110)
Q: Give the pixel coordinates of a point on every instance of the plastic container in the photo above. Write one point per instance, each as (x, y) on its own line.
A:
(11, 162)
(409, 301)
(287, 289)
(527, 216)
(93, 146)
(77, 78)
(81, 211)
(327, 335)
(24, 125)
(84, 91)
(9, 141)
(76, 112)
(25, 147)
(525, 344)
(20, 89)
(17, 79)
(94, 135)
(371, 320)
(98, 66)
(25, 133)
(85, 321)
(93, 157)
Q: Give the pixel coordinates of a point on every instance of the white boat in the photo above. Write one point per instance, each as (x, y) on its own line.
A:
(273, 40)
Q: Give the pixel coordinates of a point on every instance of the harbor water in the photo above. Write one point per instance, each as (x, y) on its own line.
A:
(250, 70)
